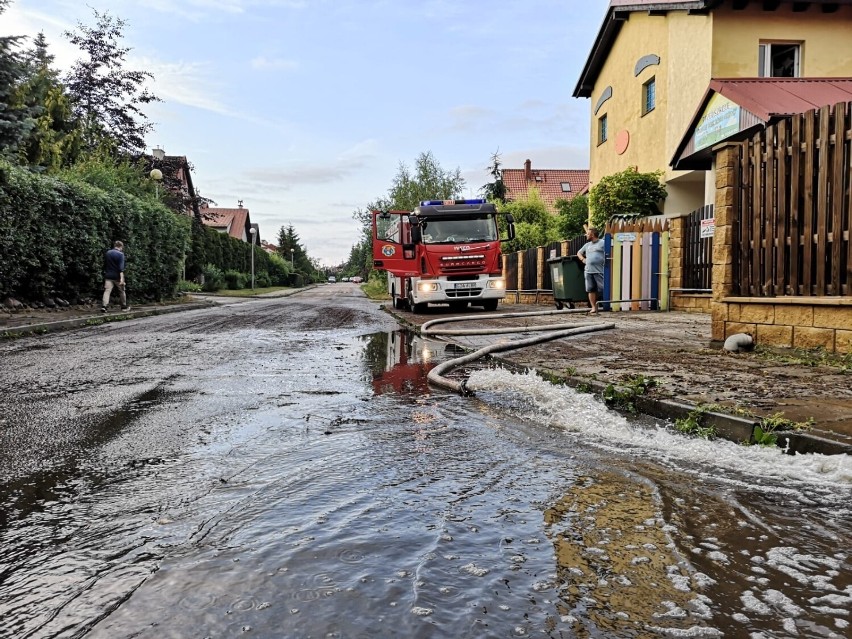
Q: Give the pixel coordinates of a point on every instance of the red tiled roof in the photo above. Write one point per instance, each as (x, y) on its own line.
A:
(233, 221)
(548, 181)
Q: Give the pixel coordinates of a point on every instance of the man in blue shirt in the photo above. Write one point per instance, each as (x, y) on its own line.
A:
(114, 275)
(592, 254)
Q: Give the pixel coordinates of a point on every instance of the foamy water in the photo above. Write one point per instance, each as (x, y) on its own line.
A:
(597, 425)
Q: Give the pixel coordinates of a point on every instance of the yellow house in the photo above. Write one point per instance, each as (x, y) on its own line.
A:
(652, 63)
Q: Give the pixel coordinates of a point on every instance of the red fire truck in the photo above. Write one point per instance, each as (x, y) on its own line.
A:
(443, 252)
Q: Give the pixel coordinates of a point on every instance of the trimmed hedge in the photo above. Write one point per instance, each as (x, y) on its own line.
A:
(54, 233)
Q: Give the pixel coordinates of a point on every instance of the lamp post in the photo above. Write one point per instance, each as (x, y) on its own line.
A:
(291, 259)
(157, 174)
(253, 232)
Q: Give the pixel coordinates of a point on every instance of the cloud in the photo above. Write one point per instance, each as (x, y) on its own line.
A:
(348, 162)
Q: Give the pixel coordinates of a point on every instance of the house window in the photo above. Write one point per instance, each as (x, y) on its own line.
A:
(649, 96)
(602, 129)
(779, 60)
(566, 187)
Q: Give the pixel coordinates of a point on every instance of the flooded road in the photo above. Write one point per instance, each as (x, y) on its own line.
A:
(280, 468)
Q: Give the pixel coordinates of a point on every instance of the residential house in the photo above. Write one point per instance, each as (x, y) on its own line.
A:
(552, 184)
(653, 61)
(234, 222)
(175, 178)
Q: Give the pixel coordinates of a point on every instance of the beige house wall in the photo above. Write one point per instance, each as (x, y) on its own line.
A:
(826, 37)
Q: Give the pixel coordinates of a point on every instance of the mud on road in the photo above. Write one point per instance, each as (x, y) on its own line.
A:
(674, 349)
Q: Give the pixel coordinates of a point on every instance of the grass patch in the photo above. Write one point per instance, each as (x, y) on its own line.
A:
(376, 289)
(692, 424)
(247, 292)
(807, 357)
(623, 397)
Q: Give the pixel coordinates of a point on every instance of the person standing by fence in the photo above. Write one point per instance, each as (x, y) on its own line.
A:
(593, 255)
(114, 275)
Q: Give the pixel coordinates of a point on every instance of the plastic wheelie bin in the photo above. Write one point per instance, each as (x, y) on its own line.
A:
(569, 285)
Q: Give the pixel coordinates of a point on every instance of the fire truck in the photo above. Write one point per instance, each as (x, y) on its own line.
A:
(443, 252)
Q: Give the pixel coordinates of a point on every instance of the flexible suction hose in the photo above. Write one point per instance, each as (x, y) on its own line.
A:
(436, 375)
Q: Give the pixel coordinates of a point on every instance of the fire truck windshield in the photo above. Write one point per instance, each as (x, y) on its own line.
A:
(481, 229)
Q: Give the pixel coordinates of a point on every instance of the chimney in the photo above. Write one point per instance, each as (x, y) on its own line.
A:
(528, 170)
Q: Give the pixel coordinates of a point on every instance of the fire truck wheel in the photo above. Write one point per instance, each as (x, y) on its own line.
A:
(490, 305)
(415, 308)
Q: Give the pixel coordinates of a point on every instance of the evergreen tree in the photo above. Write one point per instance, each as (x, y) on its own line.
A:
(107, 98)
(495, 191)
(54, 141)
(16, 120)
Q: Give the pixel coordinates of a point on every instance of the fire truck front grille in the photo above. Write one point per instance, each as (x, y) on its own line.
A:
(465, 292)
(462, 263)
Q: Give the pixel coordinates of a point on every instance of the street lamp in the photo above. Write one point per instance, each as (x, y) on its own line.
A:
(157, 174)
(253, 232)
(291, 259)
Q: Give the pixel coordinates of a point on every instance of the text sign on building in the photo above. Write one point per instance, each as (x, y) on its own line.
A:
(721, 119)
(708, 227)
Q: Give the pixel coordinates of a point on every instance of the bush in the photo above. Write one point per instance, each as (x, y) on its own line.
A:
(236, 280)
(261, 280)
(214, 279)
(626, 193)
(185, 286)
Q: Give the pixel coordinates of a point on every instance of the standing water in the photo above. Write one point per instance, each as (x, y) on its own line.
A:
(347, 498)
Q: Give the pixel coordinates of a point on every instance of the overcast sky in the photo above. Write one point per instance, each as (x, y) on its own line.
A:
(304, 109)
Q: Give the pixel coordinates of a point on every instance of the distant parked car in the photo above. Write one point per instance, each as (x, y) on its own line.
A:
(331, 279)
(357, 279)
(344, 279)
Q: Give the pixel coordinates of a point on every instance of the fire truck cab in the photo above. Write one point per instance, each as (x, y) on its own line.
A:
(445, 251)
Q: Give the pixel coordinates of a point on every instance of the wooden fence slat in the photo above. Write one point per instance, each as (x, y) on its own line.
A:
(808, 163)
(824, 166)
(783, 212)
(795, 203)
(847, 290)
(756, 244)
(836, 218)
(770, 216)
(664, 270)
(617, 255)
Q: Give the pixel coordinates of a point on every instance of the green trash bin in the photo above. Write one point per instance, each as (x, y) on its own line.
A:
(569, 285)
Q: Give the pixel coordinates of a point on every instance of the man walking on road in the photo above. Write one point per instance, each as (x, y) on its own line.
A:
(114, 275)
(592, 254)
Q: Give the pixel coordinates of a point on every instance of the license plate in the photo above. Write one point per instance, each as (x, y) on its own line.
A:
(465, 284)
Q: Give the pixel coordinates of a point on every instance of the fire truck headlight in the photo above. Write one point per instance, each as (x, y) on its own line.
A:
(428, 287)
(501, 284)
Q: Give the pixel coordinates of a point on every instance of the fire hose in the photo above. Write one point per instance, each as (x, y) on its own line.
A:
(556, 331)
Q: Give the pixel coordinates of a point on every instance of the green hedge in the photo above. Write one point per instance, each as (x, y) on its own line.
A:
(54, 232)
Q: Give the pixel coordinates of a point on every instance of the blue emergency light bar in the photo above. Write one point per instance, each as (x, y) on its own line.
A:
(449, 202)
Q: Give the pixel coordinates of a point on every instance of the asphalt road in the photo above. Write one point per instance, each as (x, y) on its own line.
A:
(279, 467)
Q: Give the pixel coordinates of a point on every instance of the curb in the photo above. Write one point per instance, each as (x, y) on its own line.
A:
(729, 427)
(97, 320)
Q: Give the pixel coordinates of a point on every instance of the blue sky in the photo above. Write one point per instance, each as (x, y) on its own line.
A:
(304, 109)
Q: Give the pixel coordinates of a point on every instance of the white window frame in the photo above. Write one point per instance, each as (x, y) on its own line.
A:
(603, 129)
(646, 86)
(764, 58)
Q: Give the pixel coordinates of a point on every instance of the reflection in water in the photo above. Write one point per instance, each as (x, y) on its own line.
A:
(401, 360)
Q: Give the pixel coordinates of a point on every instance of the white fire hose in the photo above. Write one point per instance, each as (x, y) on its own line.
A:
(557, 331)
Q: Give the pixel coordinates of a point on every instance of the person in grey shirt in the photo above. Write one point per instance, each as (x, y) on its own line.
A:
(593, 256)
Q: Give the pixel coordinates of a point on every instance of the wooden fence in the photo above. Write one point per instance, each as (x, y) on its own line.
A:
(792, 233)
(697, 251)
